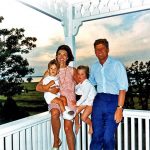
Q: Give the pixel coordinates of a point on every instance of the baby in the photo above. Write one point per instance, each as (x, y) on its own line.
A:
(53, 80)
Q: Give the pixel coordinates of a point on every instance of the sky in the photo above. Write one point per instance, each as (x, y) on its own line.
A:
(128, 35)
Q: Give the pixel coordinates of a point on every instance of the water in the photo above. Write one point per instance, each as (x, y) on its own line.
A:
(34, 79)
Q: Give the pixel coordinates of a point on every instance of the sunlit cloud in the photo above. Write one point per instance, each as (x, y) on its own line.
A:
(128, 35)
(123, 42)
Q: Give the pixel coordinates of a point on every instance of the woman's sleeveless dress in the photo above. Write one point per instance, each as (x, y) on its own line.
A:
(67, 87)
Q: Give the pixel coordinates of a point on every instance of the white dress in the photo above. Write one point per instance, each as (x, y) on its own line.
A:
(47, 95)
(87, 92)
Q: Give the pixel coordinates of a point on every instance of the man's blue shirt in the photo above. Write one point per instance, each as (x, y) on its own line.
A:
(111, 77)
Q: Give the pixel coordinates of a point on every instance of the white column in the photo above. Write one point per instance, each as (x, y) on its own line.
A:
(70, 41)
(70, 29)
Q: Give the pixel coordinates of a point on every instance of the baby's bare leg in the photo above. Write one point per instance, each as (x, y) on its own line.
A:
(64, 100)
(60, 103)
(86, 119)
(77, 117)
(65, 113)
(77, 123)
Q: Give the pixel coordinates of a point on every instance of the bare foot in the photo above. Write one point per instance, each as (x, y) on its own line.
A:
(77, 126)
(90, 130)
(57, 143)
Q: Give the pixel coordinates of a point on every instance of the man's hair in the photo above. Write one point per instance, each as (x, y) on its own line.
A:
(85, 68)
(53, 62)
(101, 41)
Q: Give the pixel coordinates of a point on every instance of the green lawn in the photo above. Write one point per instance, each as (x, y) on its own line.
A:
(30, 100)
(33, 101)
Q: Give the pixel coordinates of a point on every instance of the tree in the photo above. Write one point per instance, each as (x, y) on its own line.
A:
(139, 84)
(13, 67)
(1, 18)
(29, 79)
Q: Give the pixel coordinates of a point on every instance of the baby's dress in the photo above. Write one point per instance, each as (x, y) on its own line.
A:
(48, 95)
(67, 87)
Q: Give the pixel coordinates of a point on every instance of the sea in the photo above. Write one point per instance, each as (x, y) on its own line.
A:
(34, 78)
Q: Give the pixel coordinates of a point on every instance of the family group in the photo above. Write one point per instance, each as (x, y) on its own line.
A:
(98, 91)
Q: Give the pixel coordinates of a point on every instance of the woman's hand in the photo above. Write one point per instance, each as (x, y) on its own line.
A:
(75, 75)
(54, 89)
(52, 82)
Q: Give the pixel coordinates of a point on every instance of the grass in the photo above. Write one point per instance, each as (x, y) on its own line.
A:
(33, 101)
(29, 94)
(30, 100)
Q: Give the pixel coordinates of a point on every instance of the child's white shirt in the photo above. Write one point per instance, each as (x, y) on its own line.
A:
(47, 95)
(87, 92)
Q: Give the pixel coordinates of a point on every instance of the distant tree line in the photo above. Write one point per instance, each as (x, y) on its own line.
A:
(139, 85)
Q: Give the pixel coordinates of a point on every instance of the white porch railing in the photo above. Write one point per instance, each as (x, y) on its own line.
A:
(134, 131)
(34, 133)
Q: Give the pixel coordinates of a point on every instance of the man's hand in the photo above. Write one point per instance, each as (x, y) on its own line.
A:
(118, 115)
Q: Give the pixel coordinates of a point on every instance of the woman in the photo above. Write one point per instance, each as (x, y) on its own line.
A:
(67, 77)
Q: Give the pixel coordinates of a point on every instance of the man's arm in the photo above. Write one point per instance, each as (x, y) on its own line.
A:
(75, 75)
(121, 98)
(119, 110)
(122, 81)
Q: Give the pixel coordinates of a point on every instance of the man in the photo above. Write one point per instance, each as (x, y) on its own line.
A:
(110, 77)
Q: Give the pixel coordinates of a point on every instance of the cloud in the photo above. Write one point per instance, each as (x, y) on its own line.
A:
(128, 35)
(88, 61)
(136, 37)
(17, 15)
(92, 30)
(126, 59)
(128, 39)
(39, 57)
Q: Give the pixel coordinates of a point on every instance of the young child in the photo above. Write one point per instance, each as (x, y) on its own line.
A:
(53, 80)
(87, 92)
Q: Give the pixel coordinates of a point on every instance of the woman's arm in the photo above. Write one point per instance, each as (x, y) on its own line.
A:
(46, 88)
(75, 75)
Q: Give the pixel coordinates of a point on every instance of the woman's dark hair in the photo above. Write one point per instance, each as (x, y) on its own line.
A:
(85, 68)
(53, 62)
(69, 53)
(101, 41)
